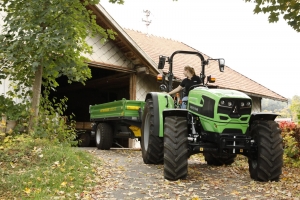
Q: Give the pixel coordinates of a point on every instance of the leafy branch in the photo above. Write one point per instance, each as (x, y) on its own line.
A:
(289, 9)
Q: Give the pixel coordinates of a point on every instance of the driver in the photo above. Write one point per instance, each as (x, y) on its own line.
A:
(191, 79)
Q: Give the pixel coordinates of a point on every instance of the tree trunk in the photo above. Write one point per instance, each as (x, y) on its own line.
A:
(36, 96)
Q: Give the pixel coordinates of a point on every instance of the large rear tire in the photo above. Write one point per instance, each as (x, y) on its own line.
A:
(104, 136)
(175, 148)
(215, 160)
(266, 164)
(151, 143)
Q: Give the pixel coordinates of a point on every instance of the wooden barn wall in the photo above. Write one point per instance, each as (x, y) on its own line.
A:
(145, 84)
(107, 53)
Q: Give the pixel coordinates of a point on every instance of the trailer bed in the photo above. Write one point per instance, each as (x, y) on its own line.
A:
(121, 109)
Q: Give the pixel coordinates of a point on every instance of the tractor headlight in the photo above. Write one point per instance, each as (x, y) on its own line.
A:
(229, 103)
(226, 103)
(242, 104)
(248, 104)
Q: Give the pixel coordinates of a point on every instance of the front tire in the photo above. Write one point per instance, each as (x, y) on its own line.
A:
(104, 136)
(151, 143)
(267, 161)
(176, 152)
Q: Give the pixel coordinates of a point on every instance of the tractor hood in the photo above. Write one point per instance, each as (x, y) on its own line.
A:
(221, 92)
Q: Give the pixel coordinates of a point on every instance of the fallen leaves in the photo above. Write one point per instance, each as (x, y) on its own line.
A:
(125, 176)
(31, 171)
(27, 190)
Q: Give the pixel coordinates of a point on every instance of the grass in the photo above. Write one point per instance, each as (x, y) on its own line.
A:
(41, 169)
(36, 169)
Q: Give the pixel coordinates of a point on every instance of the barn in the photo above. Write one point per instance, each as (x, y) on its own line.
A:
(127, 68)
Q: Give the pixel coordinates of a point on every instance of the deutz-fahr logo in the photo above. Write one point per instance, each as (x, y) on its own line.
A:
(194, 108)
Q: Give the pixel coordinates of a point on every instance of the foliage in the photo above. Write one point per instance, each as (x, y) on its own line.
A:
(43, 40)
(285, 110)
(295, 108)
(284, 113)
(286, 126)
(38, 169)
(272, 105)
(291, 143)
(50, 34)
(13, 110)
(52, 124)
(117, 1)
(292, 148)
(289, 9)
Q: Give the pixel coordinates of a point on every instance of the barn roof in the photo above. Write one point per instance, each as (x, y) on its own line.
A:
(144, 50)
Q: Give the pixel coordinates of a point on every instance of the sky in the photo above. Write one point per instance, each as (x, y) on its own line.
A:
(267, 53)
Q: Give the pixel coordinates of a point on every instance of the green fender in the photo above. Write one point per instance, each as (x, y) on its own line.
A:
(161, 101)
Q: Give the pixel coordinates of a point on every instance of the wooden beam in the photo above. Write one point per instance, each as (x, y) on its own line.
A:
(110, 67)
(132, 87)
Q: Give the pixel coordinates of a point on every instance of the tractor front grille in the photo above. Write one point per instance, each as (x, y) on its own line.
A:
(234, 108)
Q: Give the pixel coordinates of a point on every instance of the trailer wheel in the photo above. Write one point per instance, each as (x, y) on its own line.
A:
(176, 152)
(267, 160)
(215, 160)
(104, 136)
(152, 145)
(84, 139)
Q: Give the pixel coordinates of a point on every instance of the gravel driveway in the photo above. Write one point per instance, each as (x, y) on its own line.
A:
(124, 175)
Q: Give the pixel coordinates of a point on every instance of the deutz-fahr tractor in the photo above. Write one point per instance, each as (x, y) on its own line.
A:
(218, 123)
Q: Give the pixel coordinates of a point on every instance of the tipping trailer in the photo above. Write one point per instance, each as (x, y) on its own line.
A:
(112, 120)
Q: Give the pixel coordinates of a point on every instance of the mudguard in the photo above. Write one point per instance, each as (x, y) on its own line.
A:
(262, 116)
(161, 101)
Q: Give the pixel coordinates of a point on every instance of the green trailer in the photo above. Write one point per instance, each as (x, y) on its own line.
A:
(112, 120)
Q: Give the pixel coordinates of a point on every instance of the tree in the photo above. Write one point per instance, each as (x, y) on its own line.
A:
(295, 107)
(284, 113)
(289, 9)
(43, 40)
(272, 105)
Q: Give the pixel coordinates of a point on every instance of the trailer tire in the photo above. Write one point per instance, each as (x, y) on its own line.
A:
(215, 160)
(176, 152)
(104, 136)
(151, 143)
(84, 139)
(267, 161)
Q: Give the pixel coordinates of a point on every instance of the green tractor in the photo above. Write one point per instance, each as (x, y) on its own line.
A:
(216, 122)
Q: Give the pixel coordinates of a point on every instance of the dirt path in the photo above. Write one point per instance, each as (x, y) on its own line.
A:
(125, 176)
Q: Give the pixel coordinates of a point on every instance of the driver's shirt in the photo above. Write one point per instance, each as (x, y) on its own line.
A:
(187, 83)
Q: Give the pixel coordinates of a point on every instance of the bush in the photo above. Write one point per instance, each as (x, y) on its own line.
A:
(286, 126)
(291, 142)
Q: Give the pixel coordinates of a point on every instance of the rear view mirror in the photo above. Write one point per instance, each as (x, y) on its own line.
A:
(221, 64)
(162, 61)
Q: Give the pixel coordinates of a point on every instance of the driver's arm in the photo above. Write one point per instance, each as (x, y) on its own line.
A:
(178, 89)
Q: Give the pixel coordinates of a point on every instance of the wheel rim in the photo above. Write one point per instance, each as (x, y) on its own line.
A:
(146, 131)
(98, 136)
(84, 137)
